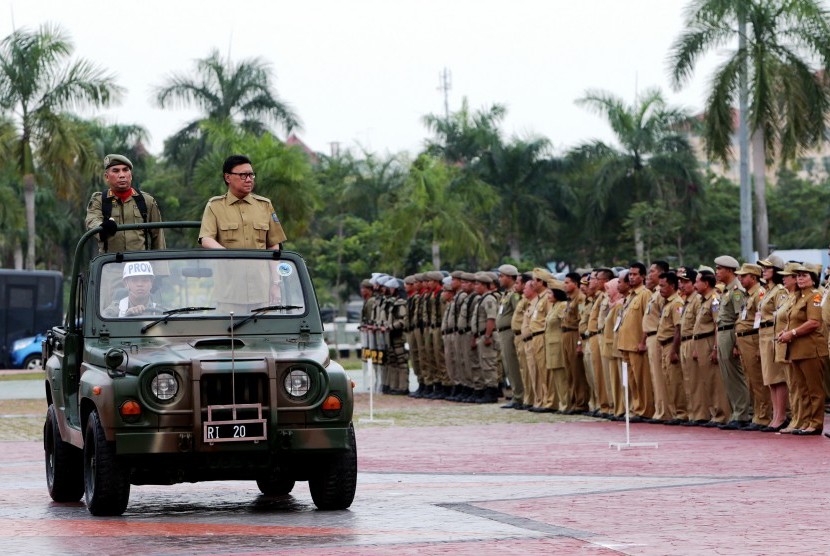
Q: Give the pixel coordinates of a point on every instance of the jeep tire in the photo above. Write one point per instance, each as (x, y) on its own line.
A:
(334, 480)
(106, 485)
(64, 463)
(275, 486)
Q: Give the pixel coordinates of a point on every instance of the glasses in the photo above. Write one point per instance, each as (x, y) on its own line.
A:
(244, 175)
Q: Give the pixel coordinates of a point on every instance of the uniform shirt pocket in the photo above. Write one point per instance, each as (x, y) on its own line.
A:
(260, 233)
(229, 234)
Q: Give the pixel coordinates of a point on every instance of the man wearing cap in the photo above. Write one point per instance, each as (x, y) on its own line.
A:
(466, 355)
(534, 338)
(592, 341)
(416, 325)
(138, 279)
(397, 319)
(696, 404)
(486, 341)
(516, 328)
(705, 349)
(586, 287)
(748, 347)
(121, 203)
(449, 326)
(729, 310)
(507, 308)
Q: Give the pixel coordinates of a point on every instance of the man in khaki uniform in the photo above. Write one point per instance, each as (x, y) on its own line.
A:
(696, 406)
(486, 341)
(452, 284)
(125, 208)
(668, 337)
(535, 338)
(705, 350)
(518, 343)
(651, 320)
(592, 341)
(586, 287)
(507, 307)
(239, 219)
(461, 352)
(617, 289)
(578, 394)
(416, 346)
(748, 345)
(466, 313)
(729, 311)
(632, 346)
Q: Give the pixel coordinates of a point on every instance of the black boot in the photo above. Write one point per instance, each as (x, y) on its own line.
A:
(431, 392)
(419, 393)
(490, 395)
(455, 394)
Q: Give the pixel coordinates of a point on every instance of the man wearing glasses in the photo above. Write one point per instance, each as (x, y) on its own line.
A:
(239, 219)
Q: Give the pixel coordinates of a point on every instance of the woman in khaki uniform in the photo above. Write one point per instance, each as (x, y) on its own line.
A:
(795, 388)
(611, 356)
(806, 345)
(557, 380)
(773, 373)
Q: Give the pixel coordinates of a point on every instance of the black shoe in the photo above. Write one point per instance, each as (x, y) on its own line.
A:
(711, 424)
(674, 422)
(419, 393)
(697, 423)
(509, 405)
(754, 427)
(490, 395)
(802, 432)
(733, 425)
(535, 409)
(636, 419)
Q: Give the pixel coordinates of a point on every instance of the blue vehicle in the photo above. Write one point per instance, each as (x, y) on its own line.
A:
(26, 353)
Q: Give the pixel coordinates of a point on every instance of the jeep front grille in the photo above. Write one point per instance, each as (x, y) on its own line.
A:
(218, 389)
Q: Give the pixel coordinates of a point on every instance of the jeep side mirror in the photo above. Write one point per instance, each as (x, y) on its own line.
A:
(113, 359)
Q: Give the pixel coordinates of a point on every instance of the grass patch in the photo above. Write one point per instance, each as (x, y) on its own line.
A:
(35, 375)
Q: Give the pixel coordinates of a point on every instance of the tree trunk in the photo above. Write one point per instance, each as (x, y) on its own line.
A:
(29, 200)
(18, 256)
(515, 250)
(743, 144)
(639, 247)
(436, 255)
(759, 176)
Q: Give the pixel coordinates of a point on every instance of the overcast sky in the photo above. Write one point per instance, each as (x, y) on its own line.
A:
(364, 72)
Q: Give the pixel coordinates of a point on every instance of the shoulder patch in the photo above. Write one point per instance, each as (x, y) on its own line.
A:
(217, 198)
(817, 298)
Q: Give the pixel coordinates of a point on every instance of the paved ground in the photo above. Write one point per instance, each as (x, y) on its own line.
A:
(543, 488)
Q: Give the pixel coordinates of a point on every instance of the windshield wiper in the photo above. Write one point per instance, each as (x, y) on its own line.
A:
(255, 313)
(170, 312)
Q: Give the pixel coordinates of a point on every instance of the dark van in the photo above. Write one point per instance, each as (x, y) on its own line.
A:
(31, 302)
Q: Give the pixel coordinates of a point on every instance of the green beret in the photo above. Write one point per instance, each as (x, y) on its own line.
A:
(114, 159)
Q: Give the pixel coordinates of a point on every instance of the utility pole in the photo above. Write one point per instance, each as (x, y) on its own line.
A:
(335, 148)
(743, 146)
(444, 86)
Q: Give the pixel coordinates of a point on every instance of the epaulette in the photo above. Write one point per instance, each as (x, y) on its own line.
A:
(260, 197)
(217, 198)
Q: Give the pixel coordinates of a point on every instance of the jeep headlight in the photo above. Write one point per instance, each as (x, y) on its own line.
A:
(297, 383)
(164, 386)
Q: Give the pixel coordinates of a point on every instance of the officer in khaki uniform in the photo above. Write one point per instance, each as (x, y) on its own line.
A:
(466, 312)
(486, 341)
(696, 406)
(617, 292)
(507, 308)
(668, 337)
(452, 285)
(586, 287)
(534, 339)
(729, 311)
(578, 394)
(592, 341)
(705, 350)
(460, 321)
(630, 343)
(651, 320)
(416, 347)
(774, 373)
(443, 384)
(516, 328)
(557, 379)
(748, 345)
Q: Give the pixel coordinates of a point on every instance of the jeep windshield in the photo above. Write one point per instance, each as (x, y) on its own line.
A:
(171, 288)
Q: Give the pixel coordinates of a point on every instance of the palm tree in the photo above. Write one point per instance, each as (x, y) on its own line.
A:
(241, 93)
(784, 58)
(38, 82)
(463, 136)
(654, 161)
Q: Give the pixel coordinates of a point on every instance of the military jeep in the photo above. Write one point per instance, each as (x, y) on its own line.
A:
(215, 371)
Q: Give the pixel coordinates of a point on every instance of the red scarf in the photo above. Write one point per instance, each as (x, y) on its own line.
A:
(125, 195)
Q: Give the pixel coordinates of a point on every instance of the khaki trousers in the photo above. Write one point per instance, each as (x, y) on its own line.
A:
(464, 354)
(675, 389)
(590, 378)
(733, 376)
(574, 365)
(441, 376)
(797, 386)
(413, 353)
(809, 371)
(488, 364)
(428, 358)
(751, 362)
(532, 373)
(696, 404)
(710, 378)
(557, 385)
(450, 358)
(540, 385)
(510, 360)
(617, 390)
(600, 389)
(639, 383)
(658, 381)
(524, 370)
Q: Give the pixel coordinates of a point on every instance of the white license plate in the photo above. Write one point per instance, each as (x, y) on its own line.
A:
(235, 431)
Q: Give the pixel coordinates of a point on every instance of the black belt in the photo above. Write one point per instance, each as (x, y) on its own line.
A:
(517, 332)
(666, 342)
(704, 335)
(726, 327)
(766, 324)
(588, 335)
(650, 334)
(750, 332)
(566, 329)
(463, 330)
(528, 338)
(687, 338)
(503, 328)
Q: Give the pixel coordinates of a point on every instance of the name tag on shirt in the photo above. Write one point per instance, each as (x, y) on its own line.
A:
(757, 322)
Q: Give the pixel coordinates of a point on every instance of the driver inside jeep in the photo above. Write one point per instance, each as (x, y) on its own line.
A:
(138, 279)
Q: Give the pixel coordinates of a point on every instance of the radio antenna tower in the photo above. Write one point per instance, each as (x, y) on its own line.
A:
(444, 86)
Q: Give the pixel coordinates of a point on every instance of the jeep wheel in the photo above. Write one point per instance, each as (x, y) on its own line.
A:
(33, 362)
(106, 486)
(275, 486)
(334, 482)
(64, 463)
